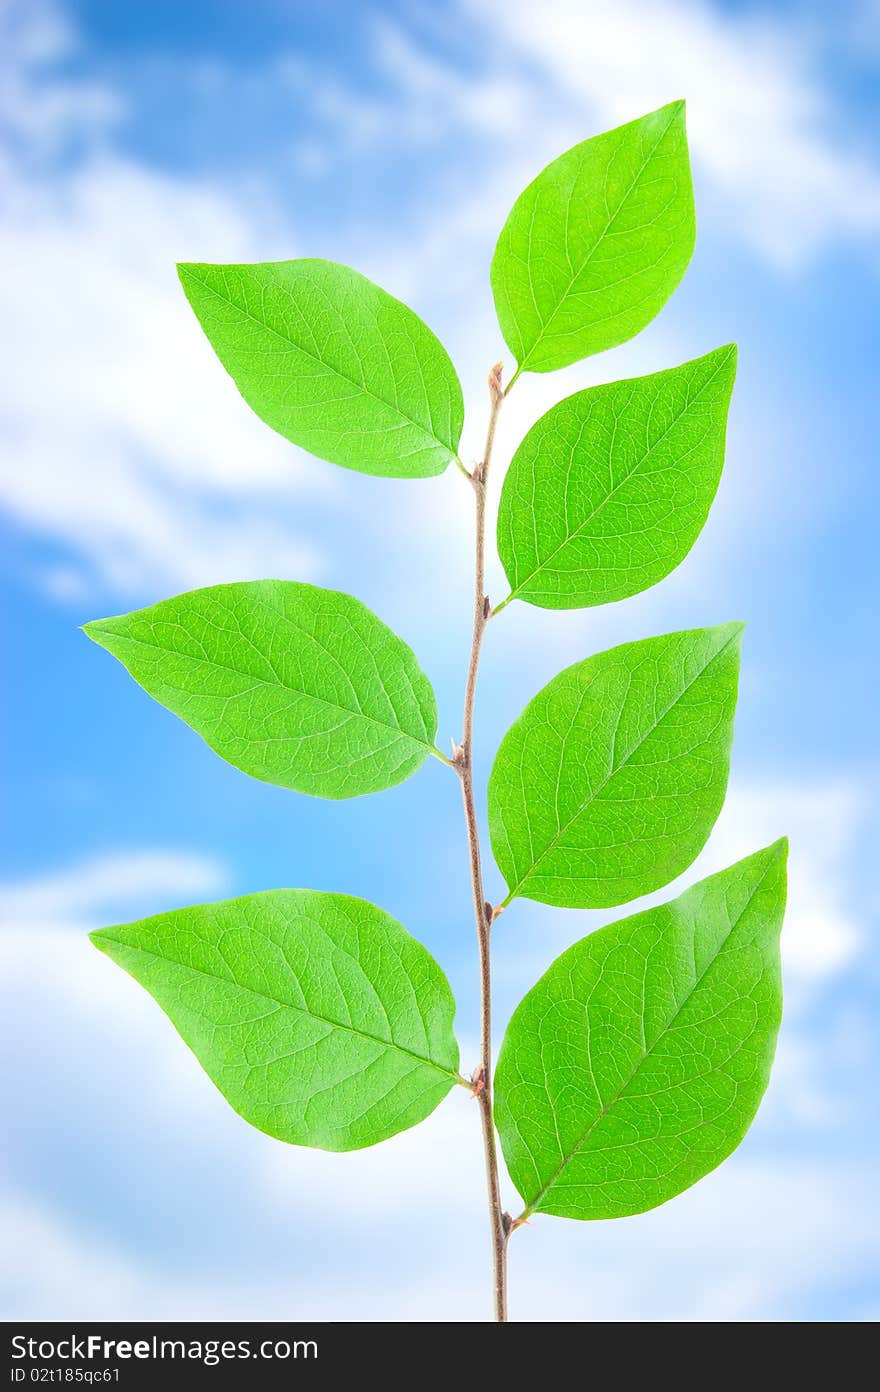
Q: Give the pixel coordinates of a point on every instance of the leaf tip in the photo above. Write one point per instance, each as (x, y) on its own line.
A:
(93, 630)
(186, 273)
(731, 632)
(727, 635)
(770, 860)
(674, 110)
(728, 353)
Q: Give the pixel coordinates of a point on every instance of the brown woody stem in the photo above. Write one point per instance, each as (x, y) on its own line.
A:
(483, 912)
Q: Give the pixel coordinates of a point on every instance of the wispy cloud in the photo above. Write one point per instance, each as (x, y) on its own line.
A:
(122, 442)
(753, 1242)
(823, 821)
(46, 115)
(764, 120)
(783, 1229)
(78, 894)
(120, 437)
(823, 936)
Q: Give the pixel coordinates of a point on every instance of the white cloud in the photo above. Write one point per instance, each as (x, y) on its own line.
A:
(821, 821)
(44, 920)
(122, 440)
(120, 436)
(748, 1244)
(51, 1269)
(62, 1274)
(763, 122)
(822, 936)
(397, 1231)
(49, 116)
(779, 167)
(83, 890)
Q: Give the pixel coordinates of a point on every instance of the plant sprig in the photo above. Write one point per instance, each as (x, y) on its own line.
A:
(637, 1063)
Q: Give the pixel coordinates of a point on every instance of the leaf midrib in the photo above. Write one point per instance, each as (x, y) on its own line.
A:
(582, 1140)
(573, 536)
(551, 845)
(272, 685)
(429, 433)
(545, 325)
(104, 936)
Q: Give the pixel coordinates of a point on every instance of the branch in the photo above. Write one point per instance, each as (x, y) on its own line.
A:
(483, 911)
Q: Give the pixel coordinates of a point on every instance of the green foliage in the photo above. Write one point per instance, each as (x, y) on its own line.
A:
(610, 490)
(333, 363)
(596, 244)
(638, 1061)
(290, 683)
(318, 1017)
(610, 781)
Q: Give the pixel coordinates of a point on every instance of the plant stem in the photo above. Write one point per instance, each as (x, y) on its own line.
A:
(464, 761)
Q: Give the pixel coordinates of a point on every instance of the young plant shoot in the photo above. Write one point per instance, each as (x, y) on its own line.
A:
(637, 1063)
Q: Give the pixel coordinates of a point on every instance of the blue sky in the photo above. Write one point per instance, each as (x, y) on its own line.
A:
(395, 137)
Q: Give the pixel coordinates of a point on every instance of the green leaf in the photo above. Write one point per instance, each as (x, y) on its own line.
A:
(596, 244)
(608, 784)
(333, 363)
(293, 684)
(318, 1017)
(637, 1063)
(610, 489)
